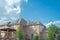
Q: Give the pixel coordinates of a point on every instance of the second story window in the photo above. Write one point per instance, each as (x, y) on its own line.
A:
(33, 27)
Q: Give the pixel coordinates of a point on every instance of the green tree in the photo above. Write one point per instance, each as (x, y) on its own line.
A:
(36, 37)
(52, 31)
(58, 34)
(19, 33)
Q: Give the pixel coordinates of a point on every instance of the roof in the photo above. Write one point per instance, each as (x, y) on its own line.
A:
(14, 22)
(9, 29)
(44, 30)
(29, 23)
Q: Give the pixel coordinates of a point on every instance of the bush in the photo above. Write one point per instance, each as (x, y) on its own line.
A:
(19, 33)
(36, 37)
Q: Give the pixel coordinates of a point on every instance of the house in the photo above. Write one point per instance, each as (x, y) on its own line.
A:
(28, 28)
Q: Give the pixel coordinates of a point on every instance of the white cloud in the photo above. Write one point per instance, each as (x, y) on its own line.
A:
(54, 22)
(26, 1)
(10, 9)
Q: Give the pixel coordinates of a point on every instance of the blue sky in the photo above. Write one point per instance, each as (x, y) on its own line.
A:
(44, 11)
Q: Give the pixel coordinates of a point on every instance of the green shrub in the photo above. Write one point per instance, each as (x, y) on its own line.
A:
(19, 34)
(36, 37)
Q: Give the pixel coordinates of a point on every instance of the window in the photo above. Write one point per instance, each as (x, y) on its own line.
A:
(41, 28)
(33, 27)
(32, 35)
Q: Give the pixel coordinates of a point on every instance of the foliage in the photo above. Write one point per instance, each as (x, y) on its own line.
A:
(19, 33)
(36, 37)
(45, 39)
(52, 31)
(58, 34)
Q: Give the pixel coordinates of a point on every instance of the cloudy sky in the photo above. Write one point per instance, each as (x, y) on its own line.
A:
(10, 9)
(45, 11)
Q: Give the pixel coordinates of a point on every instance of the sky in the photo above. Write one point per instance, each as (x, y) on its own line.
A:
(45, 11)
(10, 10)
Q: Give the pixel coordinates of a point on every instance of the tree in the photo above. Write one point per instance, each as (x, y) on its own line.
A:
(19, 33)
(36, 37)
(52, 31)
(58, 35)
